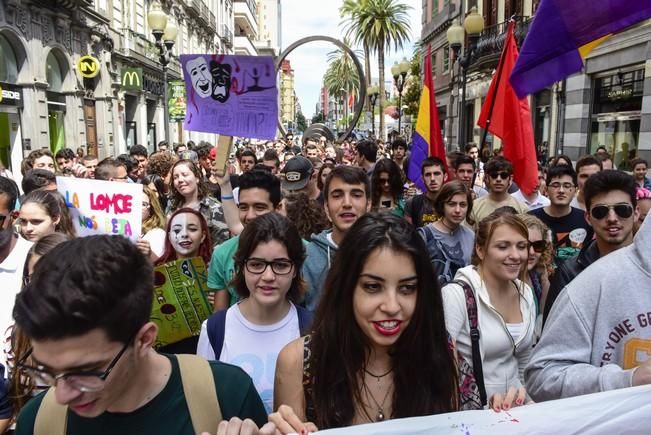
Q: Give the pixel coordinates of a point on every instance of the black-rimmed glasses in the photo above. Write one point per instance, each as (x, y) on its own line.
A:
(84, 381)
(258, 266)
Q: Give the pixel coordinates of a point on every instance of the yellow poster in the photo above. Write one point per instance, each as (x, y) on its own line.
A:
(180, 304)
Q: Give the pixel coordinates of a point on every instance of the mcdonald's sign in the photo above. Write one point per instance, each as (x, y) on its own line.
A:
(88, 67)
(132, 79)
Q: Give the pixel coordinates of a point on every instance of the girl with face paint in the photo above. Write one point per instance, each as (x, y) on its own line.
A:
(187, 236)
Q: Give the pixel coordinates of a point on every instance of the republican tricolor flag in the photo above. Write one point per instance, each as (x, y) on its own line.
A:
(427, 138)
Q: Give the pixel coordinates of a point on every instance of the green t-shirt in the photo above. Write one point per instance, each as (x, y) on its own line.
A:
(222, 267)
(167, 413)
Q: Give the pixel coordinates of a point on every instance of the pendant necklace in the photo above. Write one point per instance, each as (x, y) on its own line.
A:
(380, 407)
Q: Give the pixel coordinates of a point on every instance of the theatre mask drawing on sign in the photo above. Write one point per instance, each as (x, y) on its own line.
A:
(221, 80)
(201, 78)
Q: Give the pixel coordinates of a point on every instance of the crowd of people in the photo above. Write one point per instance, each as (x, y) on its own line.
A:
(341, 293)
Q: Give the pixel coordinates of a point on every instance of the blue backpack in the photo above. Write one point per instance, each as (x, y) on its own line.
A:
(216, 327)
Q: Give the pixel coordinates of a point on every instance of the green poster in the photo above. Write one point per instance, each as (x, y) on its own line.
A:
(180, 305)
(176, 103)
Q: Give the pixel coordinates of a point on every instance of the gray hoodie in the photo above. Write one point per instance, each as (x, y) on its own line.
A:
(599, 328)
(319, 254)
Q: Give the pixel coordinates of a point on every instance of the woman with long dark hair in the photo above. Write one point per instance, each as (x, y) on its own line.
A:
(379, 348)
(387, 188)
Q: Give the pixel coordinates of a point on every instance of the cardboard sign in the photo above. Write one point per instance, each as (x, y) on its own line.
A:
(231, 95)
(180, 305)
(103, 207)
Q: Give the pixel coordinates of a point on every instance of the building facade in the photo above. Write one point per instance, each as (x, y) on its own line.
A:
(245, 29)
(269, 18)
(83, 73)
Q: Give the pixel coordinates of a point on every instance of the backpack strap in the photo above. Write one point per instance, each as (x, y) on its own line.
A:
(305, 318)
(216, 327)
(51, 417)
(471, 307)
(200, 393)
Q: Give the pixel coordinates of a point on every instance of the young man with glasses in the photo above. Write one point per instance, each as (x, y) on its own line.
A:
(499, 175)
(598, 335)
(612, 212)
(86, 313)
(570, 231)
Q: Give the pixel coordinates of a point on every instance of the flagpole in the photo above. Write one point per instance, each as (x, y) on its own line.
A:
(492, 105)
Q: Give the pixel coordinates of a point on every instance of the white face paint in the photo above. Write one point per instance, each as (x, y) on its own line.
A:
(200, 76)
(186, 235)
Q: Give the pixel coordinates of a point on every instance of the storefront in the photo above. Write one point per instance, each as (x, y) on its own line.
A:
(55, 74)
(616, 112)
(11, 102)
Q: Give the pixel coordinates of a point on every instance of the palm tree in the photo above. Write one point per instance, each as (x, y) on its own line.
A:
(378, 24)
(349, 11)
(341, 78)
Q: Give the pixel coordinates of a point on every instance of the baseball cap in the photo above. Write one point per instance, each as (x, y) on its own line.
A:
(297, 173)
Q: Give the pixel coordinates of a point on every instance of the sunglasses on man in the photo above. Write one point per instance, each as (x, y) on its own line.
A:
(624, 211)
(502, 175)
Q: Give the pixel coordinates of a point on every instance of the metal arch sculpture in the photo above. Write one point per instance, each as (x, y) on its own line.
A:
(359, 104)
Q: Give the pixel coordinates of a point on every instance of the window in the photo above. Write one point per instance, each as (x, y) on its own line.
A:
(435, 8)
(8, 62)
(446, 58)
(434, 65)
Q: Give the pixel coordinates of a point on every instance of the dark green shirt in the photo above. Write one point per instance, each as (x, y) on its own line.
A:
(167, 413)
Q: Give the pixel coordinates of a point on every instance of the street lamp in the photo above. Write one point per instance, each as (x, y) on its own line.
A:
(399, 72)
(164, 30)
(373, 94)
(473, 25)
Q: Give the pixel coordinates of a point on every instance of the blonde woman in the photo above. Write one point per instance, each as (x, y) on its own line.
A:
(540, 267)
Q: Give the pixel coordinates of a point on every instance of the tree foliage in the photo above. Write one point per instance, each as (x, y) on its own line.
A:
(301, 122)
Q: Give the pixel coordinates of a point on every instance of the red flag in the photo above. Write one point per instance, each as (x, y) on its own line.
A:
(510, 119)
(351, 100)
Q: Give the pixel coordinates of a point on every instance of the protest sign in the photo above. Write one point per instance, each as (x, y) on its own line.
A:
(180, 304)
(613, 412)
(231, 95)
(103, 207)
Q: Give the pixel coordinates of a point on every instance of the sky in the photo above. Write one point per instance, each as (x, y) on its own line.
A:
(301, 18)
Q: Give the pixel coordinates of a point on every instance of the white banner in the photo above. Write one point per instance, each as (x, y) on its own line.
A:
(103, 207)
(624, 411)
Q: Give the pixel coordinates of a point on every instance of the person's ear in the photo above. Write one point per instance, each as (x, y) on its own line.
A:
(587, 217)
(480, 252)
(145, 338)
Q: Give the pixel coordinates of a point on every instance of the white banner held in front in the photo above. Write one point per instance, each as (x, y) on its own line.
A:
(103, 207)
(624, 411)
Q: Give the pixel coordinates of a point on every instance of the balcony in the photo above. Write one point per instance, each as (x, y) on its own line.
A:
(491, 42)
(194, 7)
(243, 45)
(212, 22)
(244, 15)
(227, 36)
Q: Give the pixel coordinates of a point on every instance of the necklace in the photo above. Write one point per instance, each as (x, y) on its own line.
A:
(378, 377)
(380, 407)
(451, 230)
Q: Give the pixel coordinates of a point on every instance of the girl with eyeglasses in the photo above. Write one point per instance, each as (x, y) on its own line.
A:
(504, 306)
(251, 333)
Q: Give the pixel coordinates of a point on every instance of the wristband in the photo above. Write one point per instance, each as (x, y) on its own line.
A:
(227, 197)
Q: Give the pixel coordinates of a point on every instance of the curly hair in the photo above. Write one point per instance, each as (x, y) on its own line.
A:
(546, 262)
(161, 163)
(307, 214)
(176, 198)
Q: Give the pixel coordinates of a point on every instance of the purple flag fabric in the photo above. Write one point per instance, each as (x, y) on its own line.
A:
(231, 95)
(551, 49)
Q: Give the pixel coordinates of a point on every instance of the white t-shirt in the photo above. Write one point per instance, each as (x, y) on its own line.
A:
(11, 281)
(252, 347)
(538, 202)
